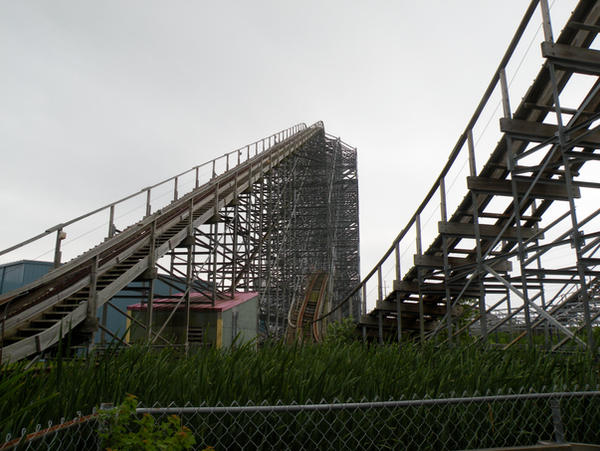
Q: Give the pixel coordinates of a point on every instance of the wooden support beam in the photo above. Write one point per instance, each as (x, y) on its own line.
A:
(486, 214)
(574, 59)
(434, 261)
(555, 190)
(390, 324)
(551, 169)
(560, 272)
(583, 155)
(583, 26)
(372, 333)
(409, 308)
(116, 337)
(550, 108)
(538, 132)
(487, 231)
(434, 288)
(148, 274)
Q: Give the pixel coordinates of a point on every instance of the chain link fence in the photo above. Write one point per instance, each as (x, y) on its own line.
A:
(449, 423)
(80, 433)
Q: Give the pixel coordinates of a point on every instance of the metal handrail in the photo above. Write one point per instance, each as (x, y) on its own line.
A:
(275, 137)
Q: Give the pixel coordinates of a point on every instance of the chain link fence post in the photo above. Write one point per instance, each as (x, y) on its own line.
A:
(559, 432)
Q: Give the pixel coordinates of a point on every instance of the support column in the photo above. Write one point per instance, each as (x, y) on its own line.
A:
(188, 289)
(398, 300)
(380, 326)
(151, 277)
(214, 234)
(480, 271)
(420, 281)
(60, 236)
(521, 248)
(234, 256)
(444, 217)
(577, 241)
(91, 321)
(111, 233)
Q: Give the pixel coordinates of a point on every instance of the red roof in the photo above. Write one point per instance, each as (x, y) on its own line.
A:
(199, 302)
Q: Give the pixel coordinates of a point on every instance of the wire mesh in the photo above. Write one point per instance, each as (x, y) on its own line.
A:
(499, 420)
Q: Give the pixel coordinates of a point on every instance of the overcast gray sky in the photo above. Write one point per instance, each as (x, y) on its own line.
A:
(101, 98)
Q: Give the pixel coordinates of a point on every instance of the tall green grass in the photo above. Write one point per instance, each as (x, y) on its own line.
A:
(277, 372)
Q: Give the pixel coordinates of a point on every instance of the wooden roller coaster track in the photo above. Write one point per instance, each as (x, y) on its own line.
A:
(301, 320)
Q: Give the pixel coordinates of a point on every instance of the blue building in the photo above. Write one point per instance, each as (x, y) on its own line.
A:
(16, 274)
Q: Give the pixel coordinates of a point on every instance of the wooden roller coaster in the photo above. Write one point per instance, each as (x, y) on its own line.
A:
(301, 319)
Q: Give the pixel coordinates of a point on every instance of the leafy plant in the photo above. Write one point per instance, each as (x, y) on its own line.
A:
(343, 331)
(124, 430)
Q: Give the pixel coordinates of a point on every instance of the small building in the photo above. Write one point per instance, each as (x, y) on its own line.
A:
(17, 274)
(134, 293)
(218, 325)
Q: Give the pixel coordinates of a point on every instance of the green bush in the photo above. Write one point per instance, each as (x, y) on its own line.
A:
(341, 332)
(124, 430)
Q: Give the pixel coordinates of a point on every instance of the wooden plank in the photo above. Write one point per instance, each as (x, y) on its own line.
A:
(434, 288)
(550, 108)
(576, 59)
(434, 310)
(390, 324)
(435, 261)
(561, 272)
(583, 155)
(538, 132)
(487, 214)
(29, 345)
(541, 190)
(486, 231)
(389, 330)
(583, 26)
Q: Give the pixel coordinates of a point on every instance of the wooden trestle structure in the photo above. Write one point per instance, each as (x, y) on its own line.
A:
(269, 215)
(514, 254)
(486, 268)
